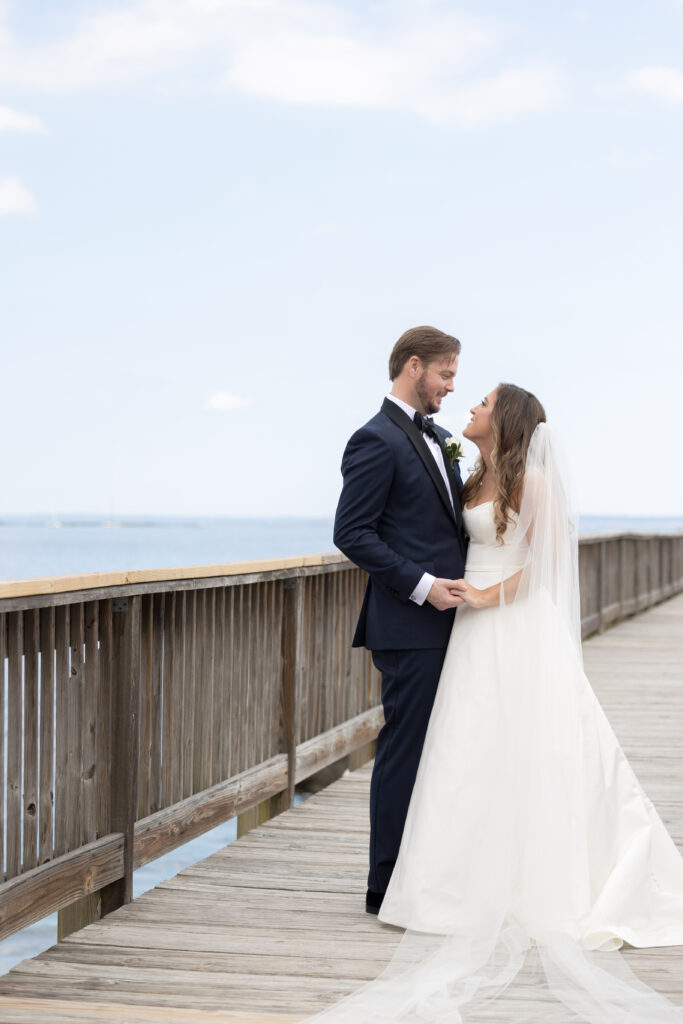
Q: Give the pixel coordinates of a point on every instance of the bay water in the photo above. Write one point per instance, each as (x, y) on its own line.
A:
(62, 545)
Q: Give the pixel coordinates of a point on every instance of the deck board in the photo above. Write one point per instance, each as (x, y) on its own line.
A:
(272, 927)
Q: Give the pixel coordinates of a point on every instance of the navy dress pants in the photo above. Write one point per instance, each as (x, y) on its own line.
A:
(409, 682)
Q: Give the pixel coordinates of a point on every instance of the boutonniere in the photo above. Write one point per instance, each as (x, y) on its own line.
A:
(453, 446)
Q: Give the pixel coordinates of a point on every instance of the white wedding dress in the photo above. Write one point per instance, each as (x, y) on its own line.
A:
(530, 852)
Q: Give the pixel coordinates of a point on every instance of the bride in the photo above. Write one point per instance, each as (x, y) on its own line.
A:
(530, 852)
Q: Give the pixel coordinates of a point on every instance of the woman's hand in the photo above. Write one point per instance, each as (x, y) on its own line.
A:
(473, 597)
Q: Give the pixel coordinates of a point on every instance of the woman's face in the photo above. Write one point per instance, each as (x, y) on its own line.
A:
(479, 427)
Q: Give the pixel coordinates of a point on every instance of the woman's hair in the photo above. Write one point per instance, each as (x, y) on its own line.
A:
(427, 343)
(515, 415)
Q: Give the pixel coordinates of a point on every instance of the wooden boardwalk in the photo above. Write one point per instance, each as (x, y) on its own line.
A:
(272, 927)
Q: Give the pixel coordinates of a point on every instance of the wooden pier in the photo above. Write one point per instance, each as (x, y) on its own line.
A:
(271, 928)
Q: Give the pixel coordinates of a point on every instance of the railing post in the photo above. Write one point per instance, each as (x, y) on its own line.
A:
(291, 609)
(636, 574)
(124, 741)
(602, 584)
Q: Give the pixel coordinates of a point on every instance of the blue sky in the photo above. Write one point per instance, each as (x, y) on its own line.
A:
(217, 216)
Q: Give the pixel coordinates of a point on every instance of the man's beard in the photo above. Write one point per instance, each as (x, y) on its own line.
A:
(428, 404)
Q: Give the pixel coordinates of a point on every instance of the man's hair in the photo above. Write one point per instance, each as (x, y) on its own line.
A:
(427, 343)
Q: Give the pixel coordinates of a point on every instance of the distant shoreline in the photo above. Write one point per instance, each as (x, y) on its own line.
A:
(74, 519)
(77, 520)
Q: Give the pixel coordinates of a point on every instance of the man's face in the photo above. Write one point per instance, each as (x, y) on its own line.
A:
(435, 382)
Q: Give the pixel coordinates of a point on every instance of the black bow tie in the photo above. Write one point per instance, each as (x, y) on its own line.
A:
(426, 425)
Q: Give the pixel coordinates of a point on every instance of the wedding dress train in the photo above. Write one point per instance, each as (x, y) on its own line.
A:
(530, 852)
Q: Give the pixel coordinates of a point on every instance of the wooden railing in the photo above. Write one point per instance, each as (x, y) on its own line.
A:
(623, 573)
(145, 708)
(152, 709)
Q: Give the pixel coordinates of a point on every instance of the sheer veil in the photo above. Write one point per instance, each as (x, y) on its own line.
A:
(526, 943)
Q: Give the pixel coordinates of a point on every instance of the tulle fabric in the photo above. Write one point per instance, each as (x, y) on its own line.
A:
(530, 852)
(460, 979)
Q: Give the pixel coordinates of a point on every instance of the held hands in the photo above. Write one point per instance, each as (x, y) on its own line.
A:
(451, 593)
(447, 594)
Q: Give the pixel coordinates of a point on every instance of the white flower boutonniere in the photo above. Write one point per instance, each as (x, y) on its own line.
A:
(453, 446)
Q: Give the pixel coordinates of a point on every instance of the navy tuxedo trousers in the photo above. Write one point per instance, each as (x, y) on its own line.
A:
(409, 682)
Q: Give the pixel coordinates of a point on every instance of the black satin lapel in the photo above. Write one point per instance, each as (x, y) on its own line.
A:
(397, 416)
(454, 487)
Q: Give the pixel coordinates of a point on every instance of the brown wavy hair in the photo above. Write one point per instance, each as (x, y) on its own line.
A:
(427, 343)
(515, 415)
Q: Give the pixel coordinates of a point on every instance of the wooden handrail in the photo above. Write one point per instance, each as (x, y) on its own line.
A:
(44, 585)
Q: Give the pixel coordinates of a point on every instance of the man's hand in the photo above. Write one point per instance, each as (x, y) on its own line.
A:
(446, 594)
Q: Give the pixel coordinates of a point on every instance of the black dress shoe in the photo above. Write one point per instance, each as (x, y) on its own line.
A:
(373, 901)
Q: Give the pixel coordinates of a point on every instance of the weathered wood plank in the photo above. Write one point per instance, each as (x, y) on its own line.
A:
(204, 690)
(15, 648)
(168, 828)
(323, 750)
(170, 697)
(45, 585)
(189, 689)
(91, 709)
(155, 766)
(145, 703)
(104, 716)
(248, 709)
(58, 883)
(28, 1010)
(124, 743)
(62, 641)
(263, 708)
(74, 730)
(291, 600)
(219, 682)
(237, 687)
(31, 725)
(87, 908)
(226, 691)
(178, 689)
(3, 654)
(209, 961)
(47, 707)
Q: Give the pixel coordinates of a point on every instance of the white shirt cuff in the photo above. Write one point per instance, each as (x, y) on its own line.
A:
(419, 595)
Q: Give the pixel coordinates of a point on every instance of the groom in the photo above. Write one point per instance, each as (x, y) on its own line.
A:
(399, 518)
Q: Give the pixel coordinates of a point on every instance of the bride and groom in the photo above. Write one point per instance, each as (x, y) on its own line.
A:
(506, 823)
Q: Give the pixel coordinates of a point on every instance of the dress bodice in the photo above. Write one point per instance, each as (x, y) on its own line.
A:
(485, 553)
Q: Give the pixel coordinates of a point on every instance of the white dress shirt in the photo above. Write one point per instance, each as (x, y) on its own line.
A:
(419, 595)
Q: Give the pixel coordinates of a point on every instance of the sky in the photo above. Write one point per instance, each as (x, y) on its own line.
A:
(217, 216)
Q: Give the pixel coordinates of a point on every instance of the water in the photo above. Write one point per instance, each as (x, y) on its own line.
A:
(40, 546)
(44, 546)
(631, 524)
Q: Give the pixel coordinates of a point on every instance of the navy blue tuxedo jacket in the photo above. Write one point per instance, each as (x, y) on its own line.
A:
(396, 521)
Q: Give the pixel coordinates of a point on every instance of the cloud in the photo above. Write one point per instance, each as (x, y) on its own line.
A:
(516, 91)
(15, 121)
(661, 81)
(15, 198)
(223, 401)
(418, 56)
(421, 67)
(633, 161)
